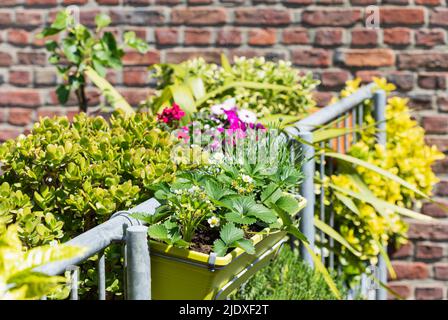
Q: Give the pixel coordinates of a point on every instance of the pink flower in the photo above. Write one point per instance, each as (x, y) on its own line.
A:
(169, 115)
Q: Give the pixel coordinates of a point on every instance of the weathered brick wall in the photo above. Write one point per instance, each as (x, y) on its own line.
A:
(325, 36)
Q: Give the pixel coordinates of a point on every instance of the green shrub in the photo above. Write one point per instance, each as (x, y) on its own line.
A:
(64, 178)
(286, 278)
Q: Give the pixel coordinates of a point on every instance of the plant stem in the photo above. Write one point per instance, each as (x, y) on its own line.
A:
(82, 99)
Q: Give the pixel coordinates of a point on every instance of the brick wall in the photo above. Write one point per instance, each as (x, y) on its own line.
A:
(325, 36)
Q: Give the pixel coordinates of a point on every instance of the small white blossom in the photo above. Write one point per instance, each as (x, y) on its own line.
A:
(213, 221)
(246, 178)
(247, 116)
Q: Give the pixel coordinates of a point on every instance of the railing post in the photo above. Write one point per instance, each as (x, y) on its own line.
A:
(379, 101)
(307, 191)
(138, 271)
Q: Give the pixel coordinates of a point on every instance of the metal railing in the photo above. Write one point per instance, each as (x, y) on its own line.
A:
(121, 228)
(348, 111)
(130, 232)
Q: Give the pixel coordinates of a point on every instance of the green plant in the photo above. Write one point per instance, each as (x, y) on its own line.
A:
(263, 86)
(18, 280)
(65, 178)
(375, 185)
(81, 53)
(286, 278)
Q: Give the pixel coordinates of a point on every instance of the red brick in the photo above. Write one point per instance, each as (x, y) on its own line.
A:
(41, 3)
(403, 80)
(429, 38)
(432, 80)
(298, 2)
(197, 36)
(199, 16)
(18, 37)
(142, 18)
(9, 2)
(405, 251)
(134, 58)
(423, 59)
(427, 2)
(19, 77)
(8, 133)
(20, 117)
(364, 37)
(199, 2)
(363, 2)
(311, 57)
(410, 270)
(429, 251)
(331, 17)
(404, 290)
(367, 75)
(135, 76)
(322, 98)
(402, 16)
(167, 2)
(229, 37)
(29, 18)
(271, 17)
(442, 103)
(429, 292)
(48, 112)
(5, 59)
(397, 36)
(108, 2)
(428, 230)
(438, 17)
(295, 36)
(419, 101)
(441, 271)
(19, 98)
(438, 209)
(367, 57)
(329, 37)
(5, 18)
(397, 2)
(334, 78)
(269, 54)
(69, 2)
(135, 96)
(137, 2)
(32, 58)
(440, 141)
(44, 77)
(262, 37)
(436, 124)
(179, 55)
(166, 36)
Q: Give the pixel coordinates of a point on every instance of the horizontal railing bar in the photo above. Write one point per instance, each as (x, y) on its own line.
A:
(332, 111)
(100, 237)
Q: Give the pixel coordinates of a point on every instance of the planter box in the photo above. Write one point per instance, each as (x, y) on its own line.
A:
(183, 274)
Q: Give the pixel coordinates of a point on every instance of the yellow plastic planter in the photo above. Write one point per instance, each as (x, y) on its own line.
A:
(184, 274)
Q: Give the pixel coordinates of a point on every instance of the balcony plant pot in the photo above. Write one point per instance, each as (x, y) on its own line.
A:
(185, 274)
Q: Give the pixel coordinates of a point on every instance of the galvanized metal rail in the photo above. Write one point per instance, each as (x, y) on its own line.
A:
(338, 114)
(121, 228)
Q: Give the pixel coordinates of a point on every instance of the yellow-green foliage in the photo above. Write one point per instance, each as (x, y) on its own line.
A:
(257, 70)
(18, 281)
(64, 178)
(405, 155)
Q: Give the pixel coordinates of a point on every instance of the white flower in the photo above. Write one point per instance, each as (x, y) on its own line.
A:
(247, 116)
(194, 189)
(247, 178)
(213, 221)
(227, 105)
(217, 157)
